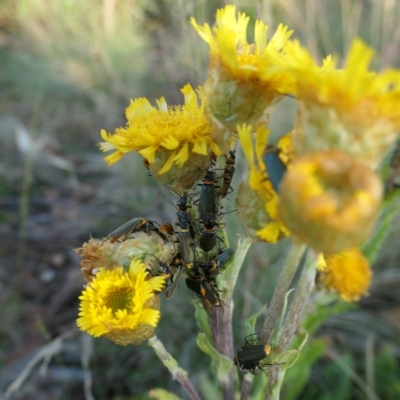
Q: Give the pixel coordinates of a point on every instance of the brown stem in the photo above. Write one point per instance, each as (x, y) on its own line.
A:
(246, 387)
(171, 364)
(278, 298)
(226, 347)
(214, 323)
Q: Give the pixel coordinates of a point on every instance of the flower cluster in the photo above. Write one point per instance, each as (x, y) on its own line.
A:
(318, 184)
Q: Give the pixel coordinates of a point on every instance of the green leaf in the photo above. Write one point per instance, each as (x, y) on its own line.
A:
(250, 322)
(323, 311)
(391, 207)
(338, 381)
(209, 389)
(259, 387)
(287, 359)
(229, 276)
(281, 319)
(202, 318)
(387, 373)
(298, 376)
(161, 394)
(223, 363)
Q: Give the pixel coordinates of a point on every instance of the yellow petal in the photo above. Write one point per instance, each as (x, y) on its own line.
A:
(270, 233)
(170, 143)
(200, 147)
(244, 132)
(168, 164)
(150, 317)
(183, 155)
(149, 153)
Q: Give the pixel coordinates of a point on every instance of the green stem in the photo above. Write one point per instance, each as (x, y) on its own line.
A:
(278, 298)
(225, 339)
(292, 320)
(173, 367)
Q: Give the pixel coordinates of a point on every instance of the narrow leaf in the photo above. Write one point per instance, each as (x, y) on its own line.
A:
(372, 247)
(202, 319)
(224, 364)
(250, 322)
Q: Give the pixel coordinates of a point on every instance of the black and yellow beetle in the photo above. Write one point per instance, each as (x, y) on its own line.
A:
(252, 353)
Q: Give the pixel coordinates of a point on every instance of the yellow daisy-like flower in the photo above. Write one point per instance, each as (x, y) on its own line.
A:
(350, 109)
(329, 200)
(348, 273)
(257, 203)
(121, 306)
(165, 135)
(242, 80)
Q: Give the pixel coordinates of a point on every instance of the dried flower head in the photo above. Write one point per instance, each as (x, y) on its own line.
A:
(348, 273)
(257, 202)
(242, 80)
(166, 137)
(106, 254)
(121, 306)
(329, 200)
(351, 109)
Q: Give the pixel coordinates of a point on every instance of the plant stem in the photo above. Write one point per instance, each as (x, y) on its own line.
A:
(171, 364)
(214, 323)
(278, 298)
(246, 386)
(224, 313)
(292, 320)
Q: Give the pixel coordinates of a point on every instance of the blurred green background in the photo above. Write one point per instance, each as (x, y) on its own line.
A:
(67, 69)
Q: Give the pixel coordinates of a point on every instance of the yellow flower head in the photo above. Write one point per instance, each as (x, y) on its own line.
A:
(121, 306)
(350, 109)
(329, 200)
(165, 135)
(242, 80)
(257, 202)
(347, 273)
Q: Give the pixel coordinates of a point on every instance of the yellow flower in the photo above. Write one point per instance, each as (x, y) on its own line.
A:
(257, 202)
(242, 80)
(164, 136)
(347, 273)
(121, 306)
(350, 109)
(329, 200)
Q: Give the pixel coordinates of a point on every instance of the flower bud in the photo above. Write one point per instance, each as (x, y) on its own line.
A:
(329, 200)
(260, 222)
